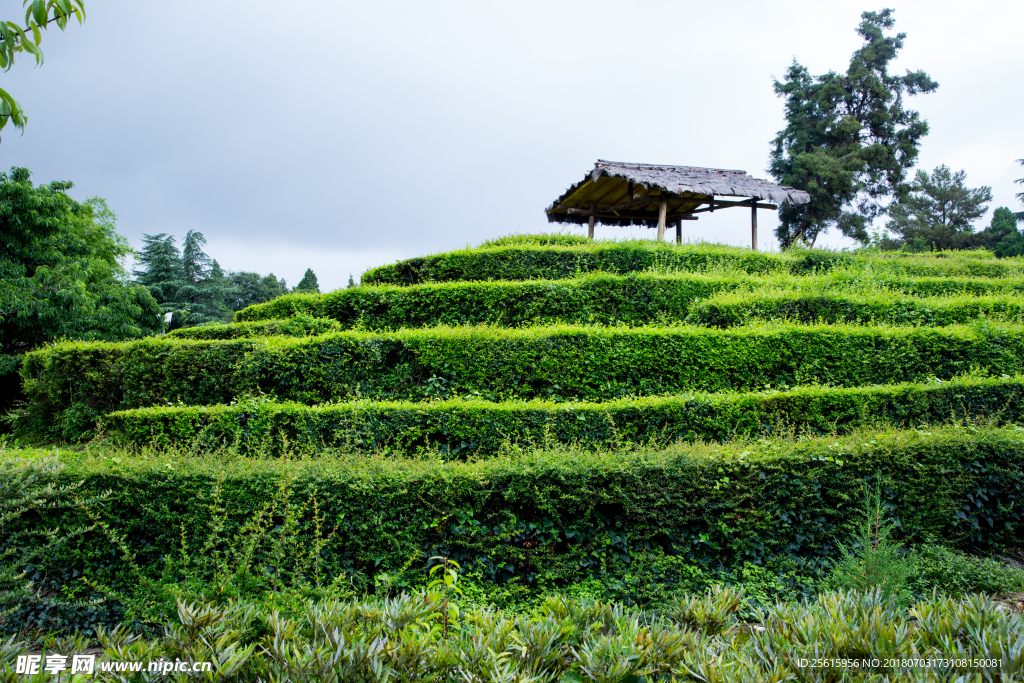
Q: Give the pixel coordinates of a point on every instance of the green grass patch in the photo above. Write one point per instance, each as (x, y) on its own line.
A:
(466, 429)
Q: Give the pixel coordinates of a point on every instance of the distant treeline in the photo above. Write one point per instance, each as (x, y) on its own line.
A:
(195, 290)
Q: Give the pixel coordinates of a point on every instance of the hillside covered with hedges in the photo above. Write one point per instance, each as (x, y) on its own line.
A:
(547, 412)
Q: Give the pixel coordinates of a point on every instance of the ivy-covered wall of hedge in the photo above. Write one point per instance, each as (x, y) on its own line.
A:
(460, 429)
(645, 298)
(529, 262)
(70, 385)
(733, 309)
(635, 520)
(297, 325)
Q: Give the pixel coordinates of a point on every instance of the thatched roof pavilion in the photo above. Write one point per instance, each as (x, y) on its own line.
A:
(654, 195)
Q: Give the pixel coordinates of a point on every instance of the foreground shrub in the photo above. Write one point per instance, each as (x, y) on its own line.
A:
(70, 385)
(459, 429)
(401, 639)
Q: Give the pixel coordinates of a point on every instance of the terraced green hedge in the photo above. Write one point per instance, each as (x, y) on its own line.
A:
(603, 299)
(640, 522)
(529, 262)
(632, 299)
(70, 385)
(298, 325)
(732, 309)
(458, 428)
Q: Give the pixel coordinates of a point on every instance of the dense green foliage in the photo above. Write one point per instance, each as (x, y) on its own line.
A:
(425, 635)
(633, 525)
(528, 261)
(1002, 237)
(70, 385)
(459, 429)
(248, 289)
(60, 271)
(848, 141)
(937, 212)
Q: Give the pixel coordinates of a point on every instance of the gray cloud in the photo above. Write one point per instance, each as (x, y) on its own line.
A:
(341, 135)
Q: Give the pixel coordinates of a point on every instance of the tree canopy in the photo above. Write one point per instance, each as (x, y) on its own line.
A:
(1002, 237)
(938, 211)
(848, 141)
(193, 287)
(60, 271)
(14, 39)
(188, 284)
(252, 288)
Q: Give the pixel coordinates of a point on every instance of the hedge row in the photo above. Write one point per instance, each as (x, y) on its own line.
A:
(459, 428)
(70, 385)
(602, 299)
(732, 309)
(528, 262)
(639, 521)
(297, 325)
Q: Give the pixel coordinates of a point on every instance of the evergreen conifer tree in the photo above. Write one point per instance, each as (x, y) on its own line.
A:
(188, 284)
(849, 140)
(202, 298)
(308, 283)
(160, 270)
(938, 211)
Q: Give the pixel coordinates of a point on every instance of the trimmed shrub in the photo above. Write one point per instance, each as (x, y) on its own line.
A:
(297, 325)
(614, 299)
(732, 309)
(639, 522)
(555, 261)
(458, 428)
(70, 385)
(525, 261)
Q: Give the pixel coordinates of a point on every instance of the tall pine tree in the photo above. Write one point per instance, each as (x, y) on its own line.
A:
(308, 283)
(203, 296)
(849, 141)
(188, 284)
(938, 211)
(160, 269)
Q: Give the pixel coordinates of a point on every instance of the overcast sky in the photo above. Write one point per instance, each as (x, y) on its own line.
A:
(344, 135)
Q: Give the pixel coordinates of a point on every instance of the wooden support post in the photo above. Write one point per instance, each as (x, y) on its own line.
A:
(679, 232)
(753, 224)
(662, 213)
(590, 232)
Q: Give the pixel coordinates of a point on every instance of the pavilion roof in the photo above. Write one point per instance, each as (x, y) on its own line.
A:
(627, 194)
